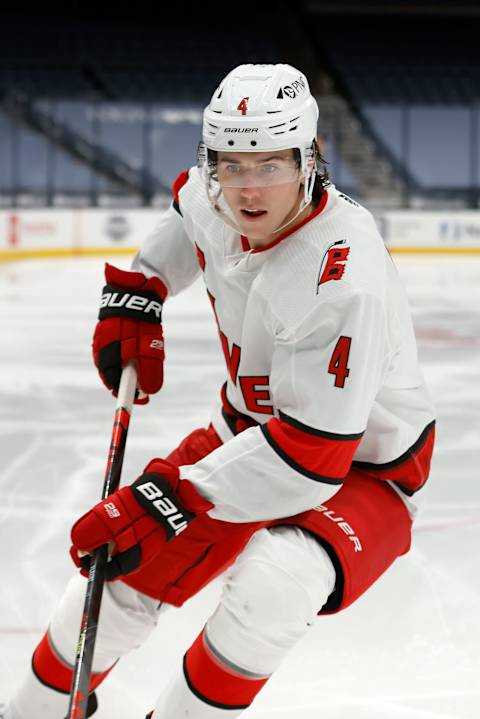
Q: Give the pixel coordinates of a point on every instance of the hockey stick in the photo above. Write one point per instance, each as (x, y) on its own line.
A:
(77, 708)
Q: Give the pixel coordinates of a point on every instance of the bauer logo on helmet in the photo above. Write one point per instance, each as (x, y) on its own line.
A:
(240, 129)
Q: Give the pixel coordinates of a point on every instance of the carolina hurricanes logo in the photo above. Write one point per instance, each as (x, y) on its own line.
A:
(333, 267)
(242, 105)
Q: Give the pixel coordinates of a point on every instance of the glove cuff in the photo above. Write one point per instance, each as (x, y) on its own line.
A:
(127, 279)
(156, 496)
(191, 497)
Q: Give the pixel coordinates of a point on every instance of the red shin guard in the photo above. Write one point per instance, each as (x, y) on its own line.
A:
(215, 683)
(52, 671)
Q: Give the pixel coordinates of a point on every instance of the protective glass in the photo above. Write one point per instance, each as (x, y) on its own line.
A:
(273, 171)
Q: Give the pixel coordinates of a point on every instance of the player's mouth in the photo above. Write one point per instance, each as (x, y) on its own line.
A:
(252, 213)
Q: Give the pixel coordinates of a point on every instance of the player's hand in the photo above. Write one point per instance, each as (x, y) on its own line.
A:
(129, 328)
(137, 521)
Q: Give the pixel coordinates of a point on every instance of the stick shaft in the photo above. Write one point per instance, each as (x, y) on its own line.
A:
(91, 610)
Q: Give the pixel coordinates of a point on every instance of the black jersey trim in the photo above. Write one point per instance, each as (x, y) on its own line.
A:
(231, 414)
(319, 432)
(294, 465)
(231, 421)
(176, 206)
(403, 457)
(406, 490)
(205, 699)
(411, 452)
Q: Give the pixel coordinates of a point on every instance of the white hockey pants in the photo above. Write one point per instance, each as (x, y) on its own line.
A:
(271, 595)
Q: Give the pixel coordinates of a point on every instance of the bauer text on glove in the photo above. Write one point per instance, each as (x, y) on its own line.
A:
(129, 328)
(138, 520)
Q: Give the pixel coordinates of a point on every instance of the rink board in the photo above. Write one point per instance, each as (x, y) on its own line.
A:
(48, 232)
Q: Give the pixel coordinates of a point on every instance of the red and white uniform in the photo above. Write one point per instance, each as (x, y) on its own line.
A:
(324, 434)
(325, 413)
(320, 351)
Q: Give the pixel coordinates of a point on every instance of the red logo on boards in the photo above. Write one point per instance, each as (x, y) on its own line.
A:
(13, 231)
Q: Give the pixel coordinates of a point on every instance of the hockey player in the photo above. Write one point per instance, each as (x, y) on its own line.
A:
(302, 488)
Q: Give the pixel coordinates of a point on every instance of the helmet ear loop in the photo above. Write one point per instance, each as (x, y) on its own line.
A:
(308, 158)
(216, 196)
(212, 195)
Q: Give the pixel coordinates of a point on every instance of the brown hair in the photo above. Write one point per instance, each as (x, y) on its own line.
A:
(322, 179)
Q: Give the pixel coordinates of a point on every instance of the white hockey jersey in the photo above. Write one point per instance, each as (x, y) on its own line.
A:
(320, 352)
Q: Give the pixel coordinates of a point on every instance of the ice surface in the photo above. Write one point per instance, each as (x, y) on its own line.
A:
(409, 649)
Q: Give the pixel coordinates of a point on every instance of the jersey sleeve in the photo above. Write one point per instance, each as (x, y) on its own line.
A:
(324, 379)
(168, 252)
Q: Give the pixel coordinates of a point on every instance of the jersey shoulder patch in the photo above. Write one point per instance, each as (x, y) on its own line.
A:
(333, 263)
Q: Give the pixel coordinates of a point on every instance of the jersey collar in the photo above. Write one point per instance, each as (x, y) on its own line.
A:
(287, 233)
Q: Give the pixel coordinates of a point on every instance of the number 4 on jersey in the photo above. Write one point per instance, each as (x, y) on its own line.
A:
(339, 361)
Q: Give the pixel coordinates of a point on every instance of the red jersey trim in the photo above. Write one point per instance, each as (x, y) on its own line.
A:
(409, 471)
(179, 183)
(176, 187)
(287, 233)
(319, 458)
(245, 243)
(201, 257)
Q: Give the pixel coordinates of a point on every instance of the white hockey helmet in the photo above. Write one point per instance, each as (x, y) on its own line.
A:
(257, 108)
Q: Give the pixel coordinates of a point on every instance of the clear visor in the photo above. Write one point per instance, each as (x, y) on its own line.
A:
(272, 171)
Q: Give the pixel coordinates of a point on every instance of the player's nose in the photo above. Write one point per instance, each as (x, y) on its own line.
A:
(249, 192)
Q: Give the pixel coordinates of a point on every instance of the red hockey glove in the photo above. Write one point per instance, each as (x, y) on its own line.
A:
(130, 328)
(138, 519)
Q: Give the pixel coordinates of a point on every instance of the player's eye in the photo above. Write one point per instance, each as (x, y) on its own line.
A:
(232, 169)
(268, 169)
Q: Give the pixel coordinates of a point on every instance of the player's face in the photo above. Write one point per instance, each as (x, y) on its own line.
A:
(262, 189)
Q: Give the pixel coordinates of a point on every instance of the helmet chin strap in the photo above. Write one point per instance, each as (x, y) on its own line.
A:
(213, 199)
